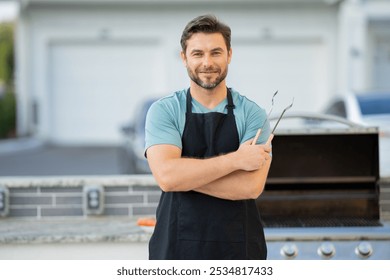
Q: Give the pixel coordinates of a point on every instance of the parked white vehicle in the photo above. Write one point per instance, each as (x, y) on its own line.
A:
(369, 109)
(132, 159)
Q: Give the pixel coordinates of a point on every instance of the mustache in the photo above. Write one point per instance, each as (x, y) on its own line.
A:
(209, 70)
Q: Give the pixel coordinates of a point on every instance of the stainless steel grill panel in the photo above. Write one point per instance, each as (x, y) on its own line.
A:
(276, 222)
(324, 198)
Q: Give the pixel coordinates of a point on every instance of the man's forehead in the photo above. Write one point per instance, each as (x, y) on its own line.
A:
(206, 41)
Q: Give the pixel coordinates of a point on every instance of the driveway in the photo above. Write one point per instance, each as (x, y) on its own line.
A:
(29, 157)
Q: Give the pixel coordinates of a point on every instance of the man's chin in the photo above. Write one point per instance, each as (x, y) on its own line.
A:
(208, 86)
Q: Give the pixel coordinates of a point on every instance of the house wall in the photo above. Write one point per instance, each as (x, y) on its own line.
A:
(363, 46)
(85, 68)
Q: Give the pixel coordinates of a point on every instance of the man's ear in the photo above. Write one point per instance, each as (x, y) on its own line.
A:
(183, 58)
(230, 53)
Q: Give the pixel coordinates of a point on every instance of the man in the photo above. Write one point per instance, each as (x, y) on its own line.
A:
(198, 146)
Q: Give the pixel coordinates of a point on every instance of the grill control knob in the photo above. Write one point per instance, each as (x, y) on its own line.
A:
(364, 250)
(289, 251)
(326, 250)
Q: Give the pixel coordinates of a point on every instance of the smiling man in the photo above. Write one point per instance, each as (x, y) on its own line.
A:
(198, 145)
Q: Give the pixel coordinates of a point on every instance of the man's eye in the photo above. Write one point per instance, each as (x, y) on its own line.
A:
(197, 54)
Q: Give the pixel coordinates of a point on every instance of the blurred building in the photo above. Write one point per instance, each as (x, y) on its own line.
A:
(83, 66)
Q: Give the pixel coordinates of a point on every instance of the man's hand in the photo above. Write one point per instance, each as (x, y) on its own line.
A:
(247, 182)
(253, 157)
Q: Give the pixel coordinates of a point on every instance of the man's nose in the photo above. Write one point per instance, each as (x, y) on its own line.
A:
(207, 60)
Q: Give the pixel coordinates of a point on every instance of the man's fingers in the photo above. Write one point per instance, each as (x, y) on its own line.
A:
(256, 136)
(248, 142)
(268, 143)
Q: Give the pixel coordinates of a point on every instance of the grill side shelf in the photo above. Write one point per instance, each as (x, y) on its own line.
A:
(320, 180)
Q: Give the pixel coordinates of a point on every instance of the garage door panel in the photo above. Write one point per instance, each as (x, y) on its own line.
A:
(297, 69)
(96, 87)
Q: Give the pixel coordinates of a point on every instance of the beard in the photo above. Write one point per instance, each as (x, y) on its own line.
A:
(207, 83)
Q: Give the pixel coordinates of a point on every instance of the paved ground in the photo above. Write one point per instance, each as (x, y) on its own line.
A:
(29, 157)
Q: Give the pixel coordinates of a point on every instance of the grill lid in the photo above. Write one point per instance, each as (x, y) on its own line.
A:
(339, 156)
(322, 178)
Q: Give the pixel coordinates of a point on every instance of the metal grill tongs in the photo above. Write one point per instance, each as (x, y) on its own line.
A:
(281, 115)
(268, 115)
(276, 125)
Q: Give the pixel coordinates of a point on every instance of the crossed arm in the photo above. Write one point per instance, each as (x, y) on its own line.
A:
(237, 175)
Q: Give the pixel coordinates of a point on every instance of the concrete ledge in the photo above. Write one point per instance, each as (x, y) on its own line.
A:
(73, 181)
(91, 230)
(73, 239)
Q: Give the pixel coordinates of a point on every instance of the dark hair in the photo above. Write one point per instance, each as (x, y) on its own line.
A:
(205, 24)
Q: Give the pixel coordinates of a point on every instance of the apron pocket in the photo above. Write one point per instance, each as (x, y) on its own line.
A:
(205, 218)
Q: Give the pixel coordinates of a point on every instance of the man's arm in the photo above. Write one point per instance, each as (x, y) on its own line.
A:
(237, 175)
(239, 184)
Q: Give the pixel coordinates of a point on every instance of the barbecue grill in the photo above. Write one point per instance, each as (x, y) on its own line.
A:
(322, 196)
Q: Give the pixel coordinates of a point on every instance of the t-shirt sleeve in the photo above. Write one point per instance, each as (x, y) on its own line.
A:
(257, 118)
(161, 126)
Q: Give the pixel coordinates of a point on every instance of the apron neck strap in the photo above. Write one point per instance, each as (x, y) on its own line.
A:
(230, 106)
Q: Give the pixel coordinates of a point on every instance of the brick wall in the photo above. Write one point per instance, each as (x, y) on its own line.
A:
(384, 201)
(127, 196)
(40, 198)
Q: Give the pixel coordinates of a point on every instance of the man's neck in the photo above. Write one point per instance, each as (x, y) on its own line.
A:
(209, 98)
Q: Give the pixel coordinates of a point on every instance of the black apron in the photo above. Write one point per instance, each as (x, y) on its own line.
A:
(191, 225)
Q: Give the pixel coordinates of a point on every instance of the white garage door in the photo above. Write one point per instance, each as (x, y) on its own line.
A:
(296, 68)
(95, 88)
(380, 75)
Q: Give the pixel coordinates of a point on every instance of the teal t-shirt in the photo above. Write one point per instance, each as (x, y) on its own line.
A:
(165, 119)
